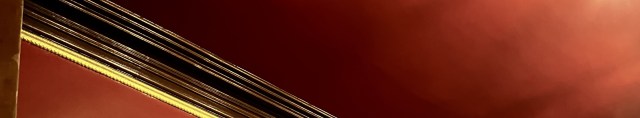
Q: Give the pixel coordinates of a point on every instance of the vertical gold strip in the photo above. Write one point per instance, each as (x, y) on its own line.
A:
(10, 22)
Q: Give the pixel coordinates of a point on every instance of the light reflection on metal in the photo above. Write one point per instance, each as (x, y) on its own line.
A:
(112, 73)
(120, 44)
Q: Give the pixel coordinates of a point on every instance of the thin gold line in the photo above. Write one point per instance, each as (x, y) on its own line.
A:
(114, 74)
(207, 53)
(188, 59)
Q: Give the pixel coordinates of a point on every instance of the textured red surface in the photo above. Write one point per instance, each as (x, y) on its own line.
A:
(429, 58)
(53, 87)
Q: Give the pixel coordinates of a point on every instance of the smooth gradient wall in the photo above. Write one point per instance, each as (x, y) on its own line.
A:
(427, 58)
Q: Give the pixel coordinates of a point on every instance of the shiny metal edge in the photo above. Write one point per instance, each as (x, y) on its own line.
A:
(114, 74)
(124, 68)
(141, 60)
(252, 83)
(207, 55)
(185, 58)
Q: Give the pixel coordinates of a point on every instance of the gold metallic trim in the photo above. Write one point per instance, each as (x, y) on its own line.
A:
(114, 74)
(151, 69)
(211, 55)
(201, 98)
(183, 57)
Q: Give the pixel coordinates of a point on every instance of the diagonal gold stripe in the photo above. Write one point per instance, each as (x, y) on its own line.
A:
(114, 74)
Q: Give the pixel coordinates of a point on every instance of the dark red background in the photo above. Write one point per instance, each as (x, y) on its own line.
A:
(427, 58)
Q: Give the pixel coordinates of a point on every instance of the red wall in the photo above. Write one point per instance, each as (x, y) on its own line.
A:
(53, 87)
(429, 58)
